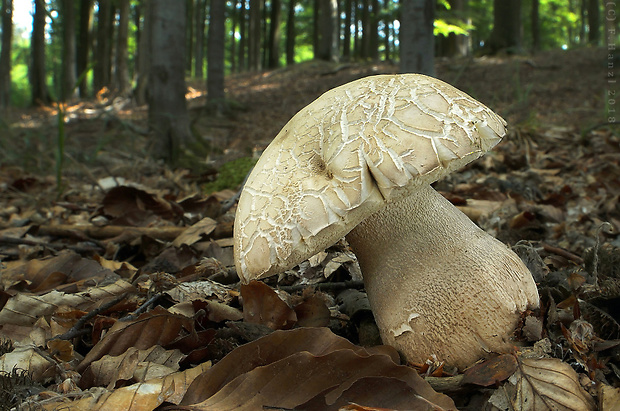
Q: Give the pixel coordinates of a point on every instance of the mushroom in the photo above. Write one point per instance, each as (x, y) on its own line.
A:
(358, 162)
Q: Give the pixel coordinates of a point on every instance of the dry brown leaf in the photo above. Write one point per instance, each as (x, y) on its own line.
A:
(261, 305)
(492, 371)
(156, 327)
(271, 370)
(24, 309)
(196, 232)
(312, 312)
(28, 358)
(132, 206)
(133, 365)
(140, 396)
(277, 384)
(47, 273)
(609, 398)
(543, 384)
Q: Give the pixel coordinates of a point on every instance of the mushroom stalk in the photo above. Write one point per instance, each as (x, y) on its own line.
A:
(437, 283)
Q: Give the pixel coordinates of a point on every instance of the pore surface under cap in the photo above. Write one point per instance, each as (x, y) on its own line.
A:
(343, 156)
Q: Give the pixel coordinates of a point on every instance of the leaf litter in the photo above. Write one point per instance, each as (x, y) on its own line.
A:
(121, 294)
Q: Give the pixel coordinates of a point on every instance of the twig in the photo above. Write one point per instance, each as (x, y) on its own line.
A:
(148, 303)
(76, 329)
(563, 253)
(76, 248)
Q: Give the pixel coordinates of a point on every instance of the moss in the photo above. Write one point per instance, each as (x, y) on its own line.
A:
(231, 175)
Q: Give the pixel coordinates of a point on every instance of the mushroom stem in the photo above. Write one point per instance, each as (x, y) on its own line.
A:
(437, 283)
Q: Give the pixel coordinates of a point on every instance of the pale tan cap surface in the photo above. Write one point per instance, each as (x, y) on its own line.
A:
(342, 157)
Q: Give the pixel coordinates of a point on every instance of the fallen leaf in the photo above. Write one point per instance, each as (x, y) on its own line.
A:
(492, 371)
(271, 370)
(261, 305)
(543, 384)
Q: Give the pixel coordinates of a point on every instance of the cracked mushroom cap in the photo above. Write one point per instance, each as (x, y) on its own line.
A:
(343, 157)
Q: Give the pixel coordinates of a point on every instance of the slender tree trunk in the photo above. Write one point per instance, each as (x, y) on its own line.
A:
(168, 117)
(365, 46)
(144, 55)
(254, 35)
(274, 34)
(189, 38)
(417, 42)
(507, 27)
(84, 39)
(37, 74)
(535, 22)
(200, 12)
(316, 16)
(102, 69)
(594, 22)
(328, 30)
(233, 38)
(346, 47)
(243, 38)
(121, 71)
(215, 57)
(69, 77)
(5, 54)
(374, 31)
(356, 39)
(290, 33)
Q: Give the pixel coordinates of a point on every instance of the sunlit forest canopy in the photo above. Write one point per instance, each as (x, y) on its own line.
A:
(263, 34)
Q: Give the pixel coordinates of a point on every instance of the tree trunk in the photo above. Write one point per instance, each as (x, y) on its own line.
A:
(374, 31)
(189, 37)
(143, 64)
(84, 43)
(122, 85)
(328, 30)
(365, 46)
(215, 55)
(243, 38)
(346, 47)
(594, 22)
(168, 117)
(507, 27)
(103, 51)
(535, 22)
(200, 12)
(290, 33)
(233, 39)
(356, 39)
(5, 54)
(274, 34)
(254, 35)
(417, 42)
(37, 74)
(69, 77)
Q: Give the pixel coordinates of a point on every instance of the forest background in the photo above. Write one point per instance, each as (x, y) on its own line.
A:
(127, 128)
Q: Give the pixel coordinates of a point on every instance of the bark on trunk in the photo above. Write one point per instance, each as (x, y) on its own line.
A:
(168, 117)
(274, 34)
(37, 74)
(69, 76)
(121, 73)
(215, 57)
(507, 27)
(102, 69)
(290, 33)
(5, 54)
(417, 42)
(84, 44)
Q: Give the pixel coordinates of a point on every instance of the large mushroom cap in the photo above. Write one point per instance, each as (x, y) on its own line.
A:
(345, 155)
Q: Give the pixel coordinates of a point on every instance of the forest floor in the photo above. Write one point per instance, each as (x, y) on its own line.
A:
(99, 284)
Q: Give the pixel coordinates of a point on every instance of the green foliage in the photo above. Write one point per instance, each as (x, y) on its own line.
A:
(231, 175)
(20, 85)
